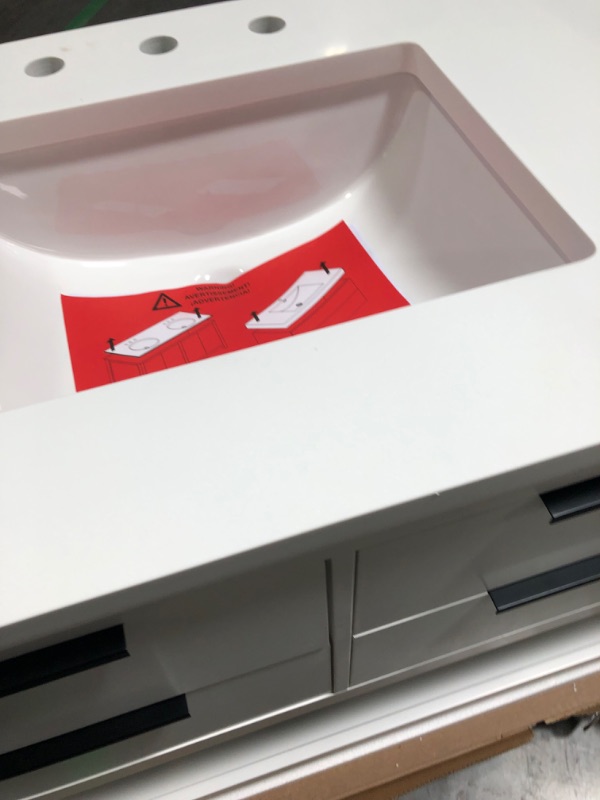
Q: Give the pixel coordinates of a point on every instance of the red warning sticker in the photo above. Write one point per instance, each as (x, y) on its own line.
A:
(326, 281)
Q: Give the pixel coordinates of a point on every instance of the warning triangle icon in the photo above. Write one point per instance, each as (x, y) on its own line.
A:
(164, 301)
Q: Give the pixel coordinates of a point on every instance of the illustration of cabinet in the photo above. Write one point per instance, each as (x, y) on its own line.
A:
(179, 339)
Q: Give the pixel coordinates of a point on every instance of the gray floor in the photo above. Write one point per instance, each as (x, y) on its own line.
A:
(548, 768)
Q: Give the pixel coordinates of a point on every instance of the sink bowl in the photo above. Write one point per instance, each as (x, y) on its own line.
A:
(218, 178)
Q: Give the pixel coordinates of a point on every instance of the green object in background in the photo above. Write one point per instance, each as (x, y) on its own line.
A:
(86, 14)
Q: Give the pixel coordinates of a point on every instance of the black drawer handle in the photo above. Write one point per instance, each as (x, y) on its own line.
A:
(572, 500)
(59, 660)
(545, 584)
(92, 737)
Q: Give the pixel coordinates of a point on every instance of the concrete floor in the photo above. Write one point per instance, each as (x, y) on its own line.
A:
(547, 768)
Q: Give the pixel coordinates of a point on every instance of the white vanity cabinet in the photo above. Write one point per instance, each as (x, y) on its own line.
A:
(191, 559)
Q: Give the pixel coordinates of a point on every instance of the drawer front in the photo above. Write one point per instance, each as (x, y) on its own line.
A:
(148, 731)
(198, 639)
(236, 627)
(450, 634)
(429, 566)
(69, 745)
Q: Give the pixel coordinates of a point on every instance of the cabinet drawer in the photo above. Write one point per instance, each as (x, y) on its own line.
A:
(431, 565)
(470, 625)
(192, 641)
(150, 731)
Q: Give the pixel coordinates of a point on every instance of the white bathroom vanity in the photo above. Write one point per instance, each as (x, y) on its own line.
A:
(235, 577)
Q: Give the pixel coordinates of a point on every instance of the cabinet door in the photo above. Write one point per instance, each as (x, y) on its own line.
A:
(482, 577)
(199, 639)
(153, 733)
(437, 563)
(463, 629)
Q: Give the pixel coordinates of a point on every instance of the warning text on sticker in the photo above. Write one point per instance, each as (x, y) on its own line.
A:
(217, 292)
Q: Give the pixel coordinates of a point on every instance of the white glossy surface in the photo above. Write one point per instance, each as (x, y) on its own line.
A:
(489, 381)
(443, 209)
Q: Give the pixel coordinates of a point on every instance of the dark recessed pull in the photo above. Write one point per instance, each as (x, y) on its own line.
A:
(59, 660)
(572, 500)
(545, 584)
(92, 737)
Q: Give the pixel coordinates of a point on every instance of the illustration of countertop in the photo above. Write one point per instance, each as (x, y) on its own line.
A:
(318, 297)
(179, 339)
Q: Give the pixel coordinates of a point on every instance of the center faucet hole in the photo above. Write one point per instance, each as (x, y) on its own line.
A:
(267, 24)
(158, 44)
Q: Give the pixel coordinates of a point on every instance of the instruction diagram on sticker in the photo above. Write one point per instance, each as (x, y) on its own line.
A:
(179, 339)
(326, 281)
(313, 299)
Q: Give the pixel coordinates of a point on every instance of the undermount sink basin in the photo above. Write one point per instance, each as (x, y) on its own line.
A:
(380, 139)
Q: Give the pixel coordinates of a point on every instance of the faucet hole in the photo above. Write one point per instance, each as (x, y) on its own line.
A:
(158, 44)
(44, 66)
(267, 24)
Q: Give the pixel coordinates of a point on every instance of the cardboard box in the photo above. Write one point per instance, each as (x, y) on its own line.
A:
(392, 771)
